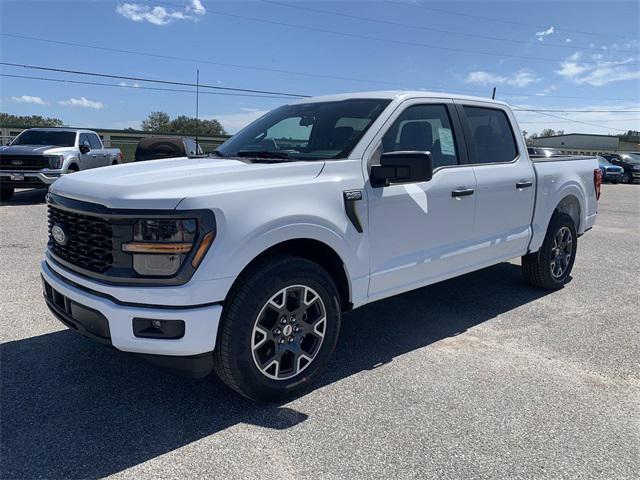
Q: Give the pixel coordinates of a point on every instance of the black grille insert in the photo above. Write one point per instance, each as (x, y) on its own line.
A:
(88, 239)
(23, 162)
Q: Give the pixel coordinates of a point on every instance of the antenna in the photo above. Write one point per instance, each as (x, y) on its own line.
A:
(197, 105)
(493, 95)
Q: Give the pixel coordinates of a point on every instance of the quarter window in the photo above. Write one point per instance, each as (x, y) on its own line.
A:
(423, 128)
(492, 140)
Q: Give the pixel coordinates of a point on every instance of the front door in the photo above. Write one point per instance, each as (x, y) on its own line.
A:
(421, 232)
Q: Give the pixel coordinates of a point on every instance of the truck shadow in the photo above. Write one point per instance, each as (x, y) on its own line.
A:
(72, 408)
(27, 197)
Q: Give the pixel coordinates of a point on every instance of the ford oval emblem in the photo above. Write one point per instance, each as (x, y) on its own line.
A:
(59, 235)
(16, 162)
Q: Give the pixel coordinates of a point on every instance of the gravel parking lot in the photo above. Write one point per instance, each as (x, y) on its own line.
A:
(476, 377)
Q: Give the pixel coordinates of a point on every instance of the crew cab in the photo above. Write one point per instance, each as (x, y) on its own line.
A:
(244, 262)
(39, 156)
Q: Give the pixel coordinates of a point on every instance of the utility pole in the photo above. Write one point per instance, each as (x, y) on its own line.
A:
(493, 95)
(197, 104)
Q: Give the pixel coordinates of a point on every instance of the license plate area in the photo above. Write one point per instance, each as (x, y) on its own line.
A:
(17, 177)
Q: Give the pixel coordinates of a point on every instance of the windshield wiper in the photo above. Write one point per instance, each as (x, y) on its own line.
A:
(261, 154)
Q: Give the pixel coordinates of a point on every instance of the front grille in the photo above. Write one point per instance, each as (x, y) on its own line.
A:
(89, 242)
(23, 162)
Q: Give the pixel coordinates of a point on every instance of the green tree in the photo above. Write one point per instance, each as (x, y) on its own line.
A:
(156, 122)
(161, 122)
(547, 132)
(9, 120)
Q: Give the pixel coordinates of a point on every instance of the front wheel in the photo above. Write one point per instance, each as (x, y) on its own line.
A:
(626, 178)
(550, 267)
(279, 329)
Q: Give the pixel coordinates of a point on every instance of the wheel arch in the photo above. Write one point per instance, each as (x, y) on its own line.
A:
(310, 249)
(571, 206)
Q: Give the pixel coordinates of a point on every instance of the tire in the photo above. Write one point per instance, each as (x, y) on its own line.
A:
(115, 162)
(549, 268)
(6, 193)
(73, 168)
(254, 349)
(626, 178)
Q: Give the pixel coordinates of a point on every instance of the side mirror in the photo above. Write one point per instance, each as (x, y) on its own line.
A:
(84, 149)
(402, 167)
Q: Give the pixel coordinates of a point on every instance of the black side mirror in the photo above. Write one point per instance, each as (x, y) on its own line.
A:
(402, 167)
(84, 149)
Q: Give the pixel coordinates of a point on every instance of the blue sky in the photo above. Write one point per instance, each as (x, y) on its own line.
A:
(584, 49)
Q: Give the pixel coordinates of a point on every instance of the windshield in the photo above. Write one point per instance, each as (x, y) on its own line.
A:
(631, 157)
(604, 162)
(309, 131)
(46, 137)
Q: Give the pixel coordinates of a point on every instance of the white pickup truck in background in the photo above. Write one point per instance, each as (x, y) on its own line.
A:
(244, 262)
(38, 156)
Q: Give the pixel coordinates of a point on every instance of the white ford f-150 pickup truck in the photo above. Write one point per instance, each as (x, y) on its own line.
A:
(39, 156)
(244, 262)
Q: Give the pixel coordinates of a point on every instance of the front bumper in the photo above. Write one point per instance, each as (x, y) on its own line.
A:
(612, 176)
(30, 179)
(102, 318)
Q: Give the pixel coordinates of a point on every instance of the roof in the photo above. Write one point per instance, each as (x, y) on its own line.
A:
(580, 135)
(398, 95)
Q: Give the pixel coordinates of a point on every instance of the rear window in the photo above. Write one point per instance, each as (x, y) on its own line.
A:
(492, 140)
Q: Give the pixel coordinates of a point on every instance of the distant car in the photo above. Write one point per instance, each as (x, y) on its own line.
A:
(40, 156)
(542, 151)
(610, 173)
(630, 162)
(154, 148)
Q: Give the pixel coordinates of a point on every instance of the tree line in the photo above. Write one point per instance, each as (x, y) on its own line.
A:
(156, 122)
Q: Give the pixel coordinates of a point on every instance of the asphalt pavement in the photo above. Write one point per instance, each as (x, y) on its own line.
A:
(477, 377)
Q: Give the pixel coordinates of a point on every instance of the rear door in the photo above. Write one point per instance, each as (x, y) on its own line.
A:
(505, 180)
(98, 153)
(419, 232)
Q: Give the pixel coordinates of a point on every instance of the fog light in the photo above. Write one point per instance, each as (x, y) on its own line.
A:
(166, 329)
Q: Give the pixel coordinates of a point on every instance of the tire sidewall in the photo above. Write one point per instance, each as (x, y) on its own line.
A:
(244, 312)
(558, 221)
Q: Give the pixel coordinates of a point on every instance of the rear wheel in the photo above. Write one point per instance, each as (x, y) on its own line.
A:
(551, 266)
(6, 193)
(279, 329)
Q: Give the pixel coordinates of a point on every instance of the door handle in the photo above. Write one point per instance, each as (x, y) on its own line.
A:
(462, 192)
(524, 184)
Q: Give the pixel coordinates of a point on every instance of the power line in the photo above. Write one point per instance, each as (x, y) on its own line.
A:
(138, 87)
(575, 121)
(141, 79)
(437, 30)
(510, 22)
(386, 40)
(280, 71)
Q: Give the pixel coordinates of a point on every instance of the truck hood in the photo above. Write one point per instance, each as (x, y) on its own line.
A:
(162, 184)
(34, 150)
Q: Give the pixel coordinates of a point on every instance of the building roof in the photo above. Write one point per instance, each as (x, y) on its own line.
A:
(580, 134)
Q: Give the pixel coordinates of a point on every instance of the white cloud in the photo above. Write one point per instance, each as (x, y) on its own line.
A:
(567, 40)
(126, 84)
(157, 15)
(521, 78)
(28, 99)
(544, 33)
(82, 102)
(232, 122)
(597, 71)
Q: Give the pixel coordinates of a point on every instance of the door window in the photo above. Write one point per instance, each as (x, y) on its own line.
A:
(95, 141)
(84, 140)
(492, 140)
(423, 128)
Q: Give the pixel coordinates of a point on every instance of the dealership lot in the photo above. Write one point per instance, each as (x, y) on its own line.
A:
(476, 377)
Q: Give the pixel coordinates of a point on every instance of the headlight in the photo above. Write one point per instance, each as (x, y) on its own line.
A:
(160, 247)
(56, 162)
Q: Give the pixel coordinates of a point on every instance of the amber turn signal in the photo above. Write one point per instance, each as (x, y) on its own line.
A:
(202, 249)
(152, 247)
